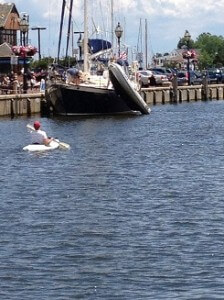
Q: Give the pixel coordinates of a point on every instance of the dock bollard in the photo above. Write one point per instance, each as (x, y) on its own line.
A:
(204, 90)
(175, 85)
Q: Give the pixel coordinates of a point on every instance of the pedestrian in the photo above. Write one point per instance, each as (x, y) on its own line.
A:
(42, 85)
(152, 80)
(38, 136)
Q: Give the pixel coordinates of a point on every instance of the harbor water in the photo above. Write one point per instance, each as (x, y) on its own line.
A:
(135, 210)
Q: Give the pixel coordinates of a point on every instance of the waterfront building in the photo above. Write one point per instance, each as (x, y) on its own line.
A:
(9, 25)
(175, 59)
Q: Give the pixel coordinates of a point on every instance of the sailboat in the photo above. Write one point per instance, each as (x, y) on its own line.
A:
(96, 95)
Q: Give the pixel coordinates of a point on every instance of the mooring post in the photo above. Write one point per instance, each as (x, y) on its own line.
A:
(195, 94)
(12, 108)
(204, 90)
(188, 95)
(174, 84)
(154, 97)
(28, 109)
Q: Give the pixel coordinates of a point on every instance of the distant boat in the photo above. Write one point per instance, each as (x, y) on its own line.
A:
(95, 95)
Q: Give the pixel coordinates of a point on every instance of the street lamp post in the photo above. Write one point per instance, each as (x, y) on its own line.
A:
(38, 28)
(24, 27)
(118, 32)
(187, 38)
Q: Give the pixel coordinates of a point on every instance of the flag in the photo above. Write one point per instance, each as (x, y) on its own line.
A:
(123, 55)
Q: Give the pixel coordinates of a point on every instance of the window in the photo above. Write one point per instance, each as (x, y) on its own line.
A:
(8, 36)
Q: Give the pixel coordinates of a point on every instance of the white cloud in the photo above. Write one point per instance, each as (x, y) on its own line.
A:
(168, 19)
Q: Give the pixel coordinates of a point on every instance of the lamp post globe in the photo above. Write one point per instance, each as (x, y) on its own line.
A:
(24, 26)
(187, 38)
(119, 32)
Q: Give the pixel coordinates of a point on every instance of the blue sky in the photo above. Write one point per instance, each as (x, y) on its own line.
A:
(167, 21)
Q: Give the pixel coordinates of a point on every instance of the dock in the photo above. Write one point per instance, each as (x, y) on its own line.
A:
(177, 94)
(35, 103)
(163, 95)
(22, 104)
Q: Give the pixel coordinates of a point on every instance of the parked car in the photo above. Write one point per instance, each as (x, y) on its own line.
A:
(161, 79)
(215, 75)
(164, 71)
(195, 77)
(147, 78)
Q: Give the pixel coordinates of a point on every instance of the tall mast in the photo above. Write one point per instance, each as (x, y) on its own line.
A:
(61, 25)
(69, 27)
(112, 23)
(146, 44)
(139, 45)
(85, 37)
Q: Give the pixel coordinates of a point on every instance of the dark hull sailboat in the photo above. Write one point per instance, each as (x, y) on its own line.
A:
(92, 98)
(84, 99)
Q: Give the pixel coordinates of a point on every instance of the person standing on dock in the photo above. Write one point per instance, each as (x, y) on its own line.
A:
(152, 80)
(38, 136)
(42, 85)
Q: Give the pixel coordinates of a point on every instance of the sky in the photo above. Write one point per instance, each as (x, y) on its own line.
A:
(166, 21)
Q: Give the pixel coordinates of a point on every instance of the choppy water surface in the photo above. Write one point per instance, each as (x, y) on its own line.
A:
(135, 210)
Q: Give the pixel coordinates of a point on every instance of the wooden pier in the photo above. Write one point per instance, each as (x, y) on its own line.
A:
(21, 104)
(178, 94)
(33, 103)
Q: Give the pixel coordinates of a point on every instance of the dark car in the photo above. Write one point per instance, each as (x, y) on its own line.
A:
(195, 77)
(215, 75)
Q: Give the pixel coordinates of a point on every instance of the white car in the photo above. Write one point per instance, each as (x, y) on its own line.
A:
(148, 78)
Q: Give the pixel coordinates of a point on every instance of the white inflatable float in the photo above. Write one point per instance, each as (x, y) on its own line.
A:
(34, 147)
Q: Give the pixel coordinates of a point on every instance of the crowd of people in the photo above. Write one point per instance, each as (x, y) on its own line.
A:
(12, 83)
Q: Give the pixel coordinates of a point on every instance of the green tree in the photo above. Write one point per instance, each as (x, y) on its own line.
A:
(183, 42)
(67, 62)
(46, 61)
(211, 49)
(41, 64)
(205, 60)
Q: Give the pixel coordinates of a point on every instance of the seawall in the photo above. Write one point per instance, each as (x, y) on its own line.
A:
(158, 95)
(28, 104)
(21, 104)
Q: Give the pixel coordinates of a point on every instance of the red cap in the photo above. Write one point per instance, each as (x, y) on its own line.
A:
(36, 125)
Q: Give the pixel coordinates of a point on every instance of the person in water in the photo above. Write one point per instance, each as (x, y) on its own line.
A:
(38, 136)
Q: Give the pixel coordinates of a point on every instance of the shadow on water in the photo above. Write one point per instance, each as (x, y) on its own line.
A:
(95, 117)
